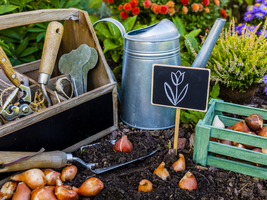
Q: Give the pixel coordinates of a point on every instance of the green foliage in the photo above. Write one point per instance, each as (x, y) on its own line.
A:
(24, 44)
(112, 39)
(239, 61)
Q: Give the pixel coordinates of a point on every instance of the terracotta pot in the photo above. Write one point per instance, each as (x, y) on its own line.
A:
(234, 96)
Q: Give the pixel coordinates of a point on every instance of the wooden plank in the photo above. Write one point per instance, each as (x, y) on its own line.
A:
(46, 113)
(202, 138)
(240, 109)
(238, 167)
(28, 67)
(210, 114)
(37, 16)
(236, 136)
(237, 152)
(115, 107)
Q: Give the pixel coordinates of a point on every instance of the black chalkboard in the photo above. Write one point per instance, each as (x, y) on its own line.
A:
(180, 87)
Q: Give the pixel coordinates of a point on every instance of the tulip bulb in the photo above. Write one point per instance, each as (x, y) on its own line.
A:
(8, 189)
(33, 178)
(228, 142)
(68, 173)
(123, 145)
(22, 192)
(263, 133)
(44, 193)
(188, 182)
(91, 187)
(241, 126)
(255, 122)
(51, 176)
(217, 122)
(145, 186)
(258, 150)
(162, 172)
(65, 192)
(179, 165)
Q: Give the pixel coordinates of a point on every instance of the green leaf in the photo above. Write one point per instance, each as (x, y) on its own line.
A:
(22, 46)
(117, 69)
(10, 33)
(28, 51)
(90, 10)
(41, 25)
(36, 29)
(115, 55)
(103, 30)
(7, 8)
(93, 18)
(109, 44)
(193, 42)
(40, 36)
(194, 33)
(215, 91)
(27, 59)
(129, 23)
(179, 25)
(138, 26)
(115, 31)
(183, 117)
(185, 63)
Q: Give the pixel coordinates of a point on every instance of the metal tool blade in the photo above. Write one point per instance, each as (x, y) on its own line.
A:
(90, 65)
(73, 63)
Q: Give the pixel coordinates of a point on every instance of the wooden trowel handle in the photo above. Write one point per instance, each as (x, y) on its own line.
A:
(52, 159)
(52, 42)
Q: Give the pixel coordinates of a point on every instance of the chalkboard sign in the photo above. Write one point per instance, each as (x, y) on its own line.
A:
(180, 87)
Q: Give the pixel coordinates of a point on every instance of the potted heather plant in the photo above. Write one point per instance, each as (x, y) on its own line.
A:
(238, 63)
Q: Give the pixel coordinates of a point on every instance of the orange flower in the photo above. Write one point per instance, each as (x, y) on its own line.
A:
(104, 0)
(223, 13)
(184, 10)
(163, 9)
(135, 11)
(110, 1)
(216, 2)
(156, 9)
(134, 3)
(153, 5)
(120, 8)
(171, 11)
(206, 10)
(124, 15)
(147, 4)
(127, 7)
(200, 7)
(195, 7)
(170, 4)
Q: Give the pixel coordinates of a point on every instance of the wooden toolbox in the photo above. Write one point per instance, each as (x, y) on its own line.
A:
(68, 124)
(206, 151)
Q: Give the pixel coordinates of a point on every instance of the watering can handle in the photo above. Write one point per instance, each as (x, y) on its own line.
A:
(114, 21)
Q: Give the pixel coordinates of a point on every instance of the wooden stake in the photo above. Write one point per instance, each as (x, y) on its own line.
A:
(176, 132)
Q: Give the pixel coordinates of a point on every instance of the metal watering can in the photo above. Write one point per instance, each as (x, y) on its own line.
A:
(155, 44)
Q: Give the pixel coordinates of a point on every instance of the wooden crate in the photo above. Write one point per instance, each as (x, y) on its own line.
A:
(206, 151)
(72, 123)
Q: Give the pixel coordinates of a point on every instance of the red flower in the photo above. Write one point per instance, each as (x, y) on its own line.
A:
(223, 13)
(104, 0)
(147, 4)
(120, 8)
(134, 3)
(124, 15)
(155, 9)
(135, 11)
(205, 2)
(127, 7)
(110, 1)
(163, 9)
(184, 2)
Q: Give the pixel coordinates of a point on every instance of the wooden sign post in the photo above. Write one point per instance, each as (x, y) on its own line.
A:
(181, 88)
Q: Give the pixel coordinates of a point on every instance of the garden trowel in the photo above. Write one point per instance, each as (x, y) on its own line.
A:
(77, 63)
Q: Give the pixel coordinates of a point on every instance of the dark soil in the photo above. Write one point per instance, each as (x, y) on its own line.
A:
(122, 183)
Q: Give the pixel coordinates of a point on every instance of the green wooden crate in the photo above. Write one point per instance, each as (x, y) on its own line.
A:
(205, 150)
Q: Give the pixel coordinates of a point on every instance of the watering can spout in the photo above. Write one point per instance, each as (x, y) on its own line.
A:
(207, 48)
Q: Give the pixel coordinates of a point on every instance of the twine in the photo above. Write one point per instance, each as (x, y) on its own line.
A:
(60, 88)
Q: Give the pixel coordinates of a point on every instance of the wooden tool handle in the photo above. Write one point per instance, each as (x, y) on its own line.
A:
(7, 68)
(53, 159)
(52, 42)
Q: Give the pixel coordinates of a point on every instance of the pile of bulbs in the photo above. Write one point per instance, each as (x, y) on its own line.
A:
(46, 184)
(253, 124)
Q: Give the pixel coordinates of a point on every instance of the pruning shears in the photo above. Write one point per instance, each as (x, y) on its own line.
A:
(9, 111)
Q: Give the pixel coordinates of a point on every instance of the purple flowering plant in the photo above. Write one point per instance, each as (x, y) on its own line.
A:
(265, 81)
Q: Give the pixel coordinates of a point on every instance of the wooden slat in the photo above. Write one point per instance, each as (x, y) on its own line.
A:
(240, 109)
(37, 16)
(238, 167)
(202, 138)
(210, 114)
(236, 136)
(229, 121)
(237, 152)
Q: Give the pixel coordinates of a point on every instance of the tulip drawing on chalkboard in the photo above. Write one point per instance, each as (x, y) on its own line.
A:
(176, 97)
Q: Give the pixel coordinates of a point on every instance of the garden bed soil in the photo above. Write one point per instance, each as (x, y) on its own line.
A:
(122, 183)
